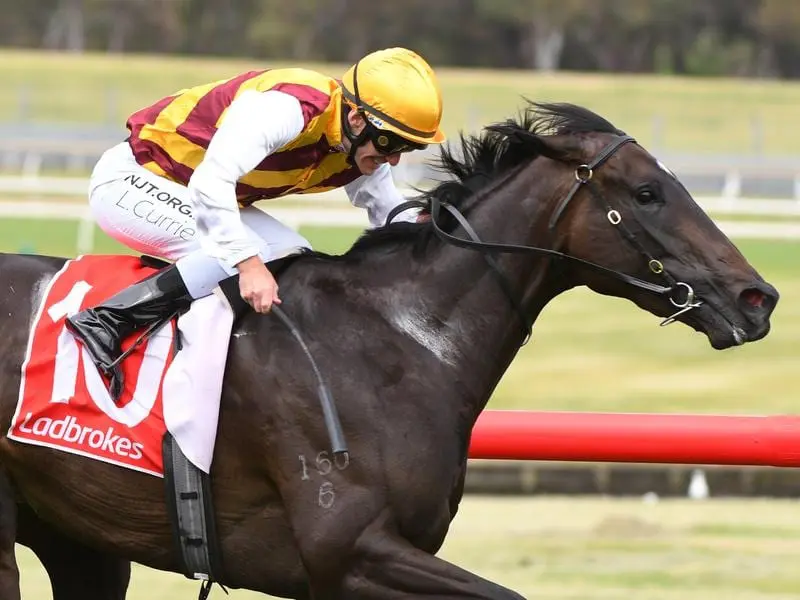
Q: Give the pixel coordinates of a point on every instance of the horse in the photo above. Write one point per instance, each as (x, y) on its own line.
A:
(413, 327)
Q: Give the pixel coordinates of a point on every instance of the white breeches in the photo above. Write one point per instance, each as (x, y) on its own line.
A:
(153, 215)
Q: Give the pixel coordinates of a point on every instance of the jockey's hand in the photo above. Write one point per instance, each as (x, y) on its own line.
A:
(257, 285)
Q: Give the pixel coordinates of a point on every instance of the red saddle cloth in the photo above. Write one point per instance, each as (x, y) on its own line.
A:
(63, 400)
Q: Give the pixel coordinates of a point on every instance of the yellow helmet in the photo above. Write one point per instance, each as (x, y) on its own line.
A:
(397, 91)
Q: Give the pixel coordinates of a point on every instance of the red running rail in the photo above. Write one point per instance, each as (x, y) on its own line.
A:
(638, 437)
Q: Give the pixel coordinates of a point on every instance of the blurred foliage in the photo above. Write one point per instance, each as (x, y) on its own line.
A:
(758, 38)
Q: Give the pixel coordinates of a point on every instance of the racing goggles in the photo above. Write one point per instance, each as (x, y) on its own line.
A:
(388, 142)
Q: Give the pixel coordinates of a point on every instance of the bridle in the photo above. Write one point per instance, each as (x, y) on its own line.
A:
(583, 178)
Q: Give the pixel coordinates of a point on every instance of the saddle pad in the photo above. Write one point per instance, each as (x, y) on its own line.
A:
(64, 403)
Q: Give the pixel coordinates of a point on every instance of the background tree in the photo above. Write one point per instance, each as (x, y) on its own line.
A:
(712, 37)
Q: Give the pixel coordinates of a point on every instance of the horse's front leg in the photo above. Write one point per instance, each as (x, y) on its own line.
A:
(381, 565)
(388, 567)
(76, 572)
(9, 573)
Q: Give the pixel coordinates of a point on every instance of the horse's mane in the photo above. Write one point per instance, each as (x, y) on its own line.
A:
(480, 159)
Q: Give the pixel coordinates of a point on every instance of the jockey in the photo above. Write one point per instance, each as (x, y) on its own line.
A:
(181, 187)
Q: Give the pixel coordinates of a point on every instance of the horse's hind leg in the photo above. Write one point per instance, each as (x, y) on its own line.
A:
(9, 574)
(76, 572)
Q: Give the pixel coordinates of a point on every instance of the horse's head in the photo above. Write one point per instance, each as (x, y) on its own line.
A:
(618, 207)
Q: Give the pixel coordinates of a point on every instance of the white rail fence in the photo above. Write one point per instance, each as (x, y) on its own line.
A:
(728, 201)
(344, 215)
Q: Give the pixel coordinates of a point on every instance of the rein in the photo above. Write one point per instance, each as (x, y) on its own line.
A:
(583, 177)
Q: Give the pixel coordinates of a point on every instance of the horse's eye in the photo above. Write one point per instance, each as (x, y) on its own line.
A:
(645, 196)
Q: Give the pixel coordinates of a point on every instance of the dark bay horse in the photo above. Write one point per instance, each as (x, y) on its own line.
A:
(413, 328)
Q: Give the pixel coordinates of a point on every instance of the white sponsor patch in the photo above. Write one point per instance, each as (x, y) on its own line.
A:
(375, 121)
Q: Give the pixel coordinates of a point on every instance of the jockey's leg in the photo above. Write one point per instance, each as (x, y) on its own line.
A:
(103, 328)
(9, 574)
(153, 215)
(202, 272)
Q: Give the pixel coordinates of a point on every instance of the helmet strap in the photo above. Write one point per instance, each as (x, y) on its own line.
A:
(356, 140)
(363, 137)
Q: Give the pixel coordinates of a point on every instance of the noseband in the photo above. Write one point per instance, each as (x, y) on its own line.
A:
(583, 178)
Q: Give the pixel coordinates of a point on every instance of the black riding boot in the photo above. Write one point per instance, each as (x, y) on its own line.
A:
(103, 328)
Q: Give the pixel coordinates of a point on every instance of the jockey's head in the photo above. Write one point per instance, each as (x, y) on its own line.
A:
(392, 104)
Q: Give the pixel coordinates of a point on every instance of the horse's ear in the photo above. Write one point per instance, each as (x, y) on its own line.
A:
(563, 148)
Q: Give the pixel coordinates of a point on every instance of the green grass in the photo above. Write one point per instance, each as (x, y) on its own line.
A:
(558, 548)
(594, 353)
(553, 548)
(696, 115)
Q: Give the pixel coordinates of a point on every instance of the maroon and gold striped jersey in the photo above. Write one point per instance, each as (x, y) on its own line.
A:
(170, 137)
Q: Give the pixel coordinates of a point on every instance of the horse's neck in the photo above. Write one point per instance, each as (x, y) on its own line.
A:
(454, 306)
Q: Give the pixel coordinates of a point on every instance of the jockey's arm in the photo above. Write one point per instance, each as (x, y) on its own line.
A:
(255, 125)
(378, 194)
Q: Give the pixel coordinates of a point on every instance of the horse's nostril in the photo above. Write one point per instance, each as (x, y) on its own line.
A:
(754, 297)
(758, 299)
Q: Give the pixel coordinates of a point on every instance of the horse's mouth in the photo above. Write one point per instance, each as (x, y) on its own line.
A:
(725, 328)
